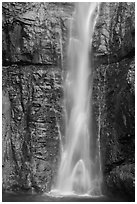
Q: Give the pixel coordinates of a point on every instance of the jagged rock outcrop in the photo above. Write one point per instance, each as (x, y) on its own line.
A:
(35, 32)
(115, 31)
(114, 96)
(116, 123)
(32, 124)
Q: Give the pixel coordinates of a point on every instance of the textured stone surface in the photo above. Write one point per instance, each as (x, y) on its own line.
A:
(115, 29)
(35, 32)
(114, 97)
(113, 93)
(34, 117)
(121, 180)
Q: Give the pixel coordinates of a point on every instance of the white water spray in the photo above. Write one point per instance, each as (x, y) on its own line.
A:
(79, 173)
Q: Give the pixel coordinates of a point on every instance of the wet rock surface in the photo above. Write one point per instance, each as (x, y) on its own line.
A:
(116, 120)
(114, 36)
(32, 137)
(35, 32)
(114, 97)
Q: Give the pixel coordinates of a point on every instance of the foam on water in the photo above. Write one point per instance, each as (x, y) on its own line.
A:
(59, 194)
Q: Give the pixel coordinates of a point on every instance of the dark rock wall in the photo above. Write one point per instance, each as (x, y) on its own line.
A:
(116, 123)
(35, 32)
(32, 108)
(114, 37)
(114, 96)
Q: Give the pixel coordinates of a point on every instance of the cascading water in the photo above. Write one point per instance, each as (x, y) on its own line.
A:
(79, 171)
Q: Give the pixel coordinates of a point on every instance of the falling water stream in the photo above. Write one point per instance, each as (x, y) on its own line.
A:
(79, 171)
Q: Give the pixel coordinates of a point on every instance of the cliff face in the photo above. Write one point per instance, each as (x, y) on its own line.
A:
(33, 117)
(116, 127)
(35, 32)
(33, 121)
(114, 96)
(32, 125)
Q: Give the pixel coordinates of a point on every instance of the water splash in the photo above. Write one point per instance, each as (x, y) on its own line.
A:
(79, 171)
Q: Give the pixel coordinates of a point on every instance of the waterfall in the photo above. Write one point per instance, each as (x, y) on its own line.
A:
(79, 171)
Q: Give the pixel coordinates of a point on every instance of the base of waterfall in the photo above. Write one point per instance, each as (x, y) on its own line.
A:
(50, 197)
(95, 191)
(77, 181)
(57, 193)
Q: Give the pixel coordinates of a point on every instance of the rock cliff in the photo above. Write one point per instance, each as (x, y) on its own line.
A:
(35, 37)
